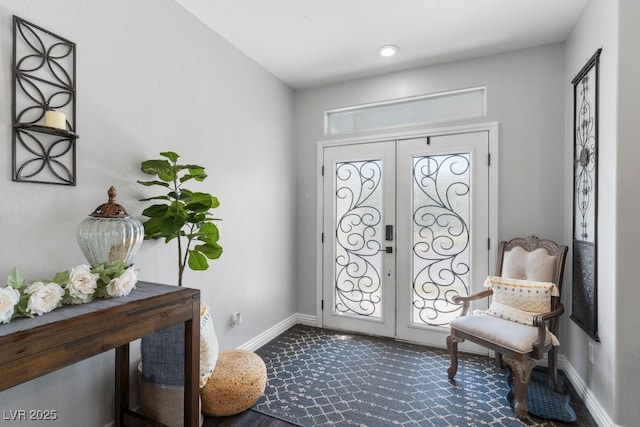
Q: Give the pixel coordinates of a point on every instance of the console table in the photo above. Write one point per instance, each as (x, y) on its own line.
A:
(32, 347)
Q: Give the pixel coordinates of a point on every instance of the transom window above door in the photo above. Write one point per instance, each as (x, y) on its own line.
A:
(436, 107)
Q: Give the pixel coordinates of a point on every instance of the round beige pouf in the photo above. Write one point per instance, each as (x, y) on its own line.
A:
(237, 382)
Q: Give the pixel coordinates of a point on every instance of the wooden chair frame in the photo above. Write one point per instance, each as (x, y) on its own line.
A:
(520, 363)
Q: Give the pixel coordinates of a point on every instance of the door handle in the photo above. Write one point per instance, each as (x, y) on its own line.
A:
(388, 234)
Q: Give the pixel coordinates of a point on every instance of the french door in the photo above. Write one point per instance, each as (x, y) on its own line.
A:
(405, 228)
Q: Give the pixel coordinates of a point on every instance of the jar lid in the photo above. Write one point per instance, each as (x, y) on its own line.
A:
(110, 209)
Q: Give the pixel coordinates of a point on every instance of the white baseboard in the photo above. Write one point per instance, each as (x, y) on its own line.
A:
(307, 320)
(592, 403)
(278, 329)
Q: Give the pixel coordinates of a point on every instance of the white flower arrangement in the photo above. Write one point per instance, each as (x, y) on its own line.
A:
(122, 285)
(9, 298)
(78, 285)
(43, 297)
(82, 284)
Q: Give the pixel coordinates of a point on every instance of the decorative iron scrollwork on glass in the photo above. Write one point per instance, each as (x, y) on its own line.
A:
(44, 106)
(441, 213)
(358, 230)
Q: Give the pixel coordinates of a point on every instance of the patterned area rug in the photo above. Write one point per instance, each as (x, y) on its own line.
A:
(319, 378)
(543, 401)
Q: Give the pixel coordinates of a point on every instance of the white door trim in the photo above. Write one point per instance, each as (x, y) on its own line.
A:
(491, 127)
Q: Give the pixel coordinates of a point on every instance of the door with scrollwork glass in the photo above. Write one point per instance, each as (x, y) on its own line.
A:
(442, 230)
(359, 291)
(405, 225)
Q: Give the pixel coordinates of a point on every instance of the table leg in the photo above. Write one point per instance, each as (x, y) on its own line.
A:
(122, 384)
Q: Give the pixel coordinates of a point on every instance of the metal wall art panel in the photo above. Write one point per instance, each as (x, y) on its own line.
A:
(585, 197)
(44, 106)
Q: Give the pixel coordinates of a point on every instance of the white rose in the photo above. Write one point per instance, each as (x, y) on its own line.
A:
(43, 297)
(82, 284)
(9, 297)
(122, 285)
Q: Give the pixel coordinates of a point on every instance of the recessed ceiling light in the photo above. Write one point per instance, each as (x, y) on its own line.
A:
(388, 50)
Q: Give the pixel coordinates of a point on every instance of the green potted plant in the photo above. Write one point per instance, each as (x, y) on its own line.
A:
(185, 216)
(181, 214)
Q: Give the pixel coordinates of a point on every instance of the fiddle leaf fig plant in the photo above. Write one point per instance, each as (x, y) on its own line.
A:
(180, 213)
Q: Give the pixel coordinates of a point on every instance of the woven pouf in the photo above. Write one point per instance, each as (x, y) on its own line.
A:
(238, 381)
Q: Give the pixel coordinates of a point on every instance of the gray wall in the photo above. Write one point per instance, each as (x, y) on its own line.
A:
(628, 206)
(597, 28)
(613, 378)
(153, 78)
(524, 93)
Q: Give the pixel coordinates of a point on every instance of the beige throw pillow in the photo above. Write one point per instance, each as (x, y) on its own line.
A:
(519, 300)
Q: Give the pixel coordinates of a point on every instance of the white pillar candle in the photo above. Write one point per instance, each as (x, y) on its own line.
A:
(55, 119)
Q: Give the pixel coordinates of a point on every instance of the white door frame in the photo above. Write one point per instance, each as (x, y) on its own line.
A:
(493, 130)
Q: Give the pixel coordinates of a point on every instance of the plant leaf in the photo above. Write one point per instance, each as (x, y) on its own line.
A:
(209, 233)
(210, 251)
(195, 169)
(61, 278)
(155, 211)
(151, 167)
(197, 261)
(155, 198)
(15, 280)
(171, 226)
(170, 155)
(200, 202)
(153, 228)
(166, 174)
(150, 183)
(21, 307)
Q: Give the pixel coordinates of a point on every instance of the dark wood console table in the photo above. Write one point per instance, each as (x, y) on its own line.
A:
(32, 347)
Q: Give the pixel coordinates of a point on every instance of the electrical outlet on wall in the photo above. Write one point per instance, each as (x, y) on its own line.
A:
(236, 319)
(590, 351)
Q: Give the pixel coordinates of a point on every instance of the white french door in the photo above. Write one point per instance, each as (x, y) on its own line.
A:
(405, 228)
(359, 273)
(443, 229)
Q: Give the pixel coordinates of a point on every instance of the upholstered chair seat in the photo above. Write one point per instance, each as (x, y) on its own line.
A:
(510, 335)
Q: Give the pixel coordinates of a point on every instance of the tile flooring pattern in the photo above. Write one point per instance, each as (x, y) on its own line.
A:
(318, 377)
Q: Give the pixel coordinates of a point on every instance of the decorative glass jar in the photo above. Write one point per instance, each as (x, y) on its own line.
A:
(109, 234)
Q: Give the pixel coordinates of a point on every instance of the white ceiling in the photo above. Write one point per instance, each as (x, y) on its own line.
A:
(311, 42)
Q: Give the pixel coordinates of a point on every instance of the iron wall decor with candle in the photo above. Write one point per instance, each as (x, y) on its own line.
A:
(44, 106)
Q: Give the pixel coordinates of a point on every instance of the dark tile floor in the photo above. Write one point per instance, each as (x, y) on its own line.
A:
(292, 355)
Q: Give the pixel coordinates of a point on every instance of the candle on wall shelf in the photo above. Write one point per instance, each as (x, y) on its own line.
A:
(55, 119)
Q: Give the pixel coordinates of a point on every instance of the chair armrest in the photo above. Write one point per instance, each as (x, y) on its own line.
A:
(466, 300)
(540, 319)
(541, 322)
